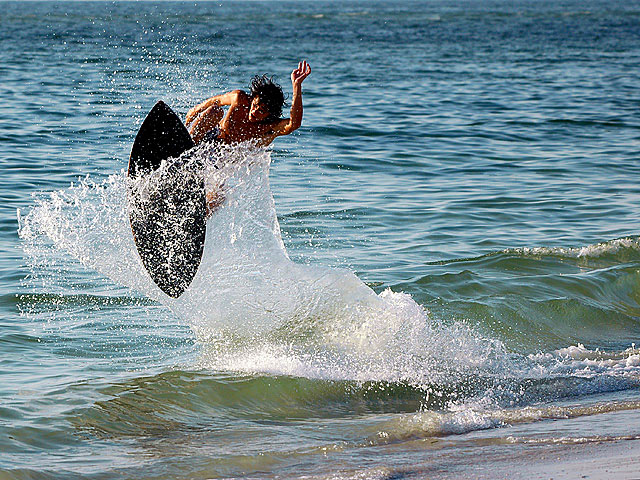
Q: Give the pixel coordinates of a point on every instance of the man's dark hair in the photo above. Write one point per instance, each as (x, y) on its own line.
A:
(270, 93)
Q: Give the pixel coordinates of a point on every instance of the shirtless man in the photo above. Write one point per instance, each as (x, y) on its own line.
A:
(251, 116)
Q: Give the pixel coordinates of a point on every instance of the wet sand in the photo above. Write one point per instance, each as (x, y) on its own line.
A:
(605, 460)
(618, 459)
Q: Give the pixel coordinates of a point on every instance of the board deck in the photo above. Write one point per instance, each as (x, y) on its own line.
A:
(167, 202)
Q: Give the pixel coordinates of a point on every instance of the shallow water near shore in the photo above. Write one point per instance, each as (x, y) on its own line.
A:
(439, 272)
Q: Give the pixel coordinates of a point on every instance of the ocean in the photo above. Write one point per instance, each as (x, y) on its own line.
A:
(436, 276)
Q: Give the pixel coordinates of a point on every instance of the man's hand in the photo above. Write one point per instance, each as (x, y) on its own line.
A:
(288, 125)
(300, 73)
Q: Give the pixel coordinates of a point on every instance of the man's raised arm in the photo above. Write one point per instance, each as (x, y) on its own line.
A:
(297, 77)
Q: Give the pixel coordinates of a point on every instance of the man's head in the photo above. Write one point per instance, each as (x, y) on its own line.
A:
(267, 100)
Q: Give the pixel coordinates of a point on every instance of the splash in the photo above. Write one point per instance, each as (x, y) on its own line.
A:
(253, 308)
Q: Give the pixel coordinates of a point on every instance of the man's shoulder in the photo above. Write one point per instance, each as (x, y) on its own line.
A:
(241, 96)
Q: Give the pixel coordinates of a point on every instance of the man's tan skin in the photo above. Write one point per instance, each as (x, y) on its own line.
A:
(248, 118)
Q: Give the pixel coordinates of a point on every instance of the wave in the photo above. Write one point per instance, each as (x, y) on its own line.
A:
(618, 251)
(542, 297)
(463, 420)
(142, 405)
(200, 400)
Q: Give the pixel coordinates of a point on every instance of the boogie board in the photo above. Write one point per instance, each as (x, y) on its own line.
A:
(167, 202)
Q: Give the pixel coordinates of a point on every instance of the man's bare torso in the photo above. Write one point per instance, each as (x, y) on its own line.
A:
(248, 118)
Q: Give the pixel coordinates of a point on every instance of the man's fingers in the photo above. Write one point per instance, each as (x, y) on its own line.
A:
(301, 72)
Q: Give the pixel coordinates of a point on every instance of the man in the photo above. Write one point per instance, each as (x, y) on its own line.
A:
(254, 116)
(250, 116)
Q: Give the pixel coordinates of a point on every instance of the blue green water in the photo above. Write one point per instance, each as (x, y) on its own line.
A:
(440, 269)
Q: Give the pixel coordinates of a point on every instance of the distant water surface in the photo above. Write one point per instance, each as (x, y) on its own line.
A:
(439, 270)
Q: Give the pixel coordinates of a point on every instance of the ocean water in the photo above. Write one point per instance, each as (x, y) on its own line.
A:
(439, 271)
